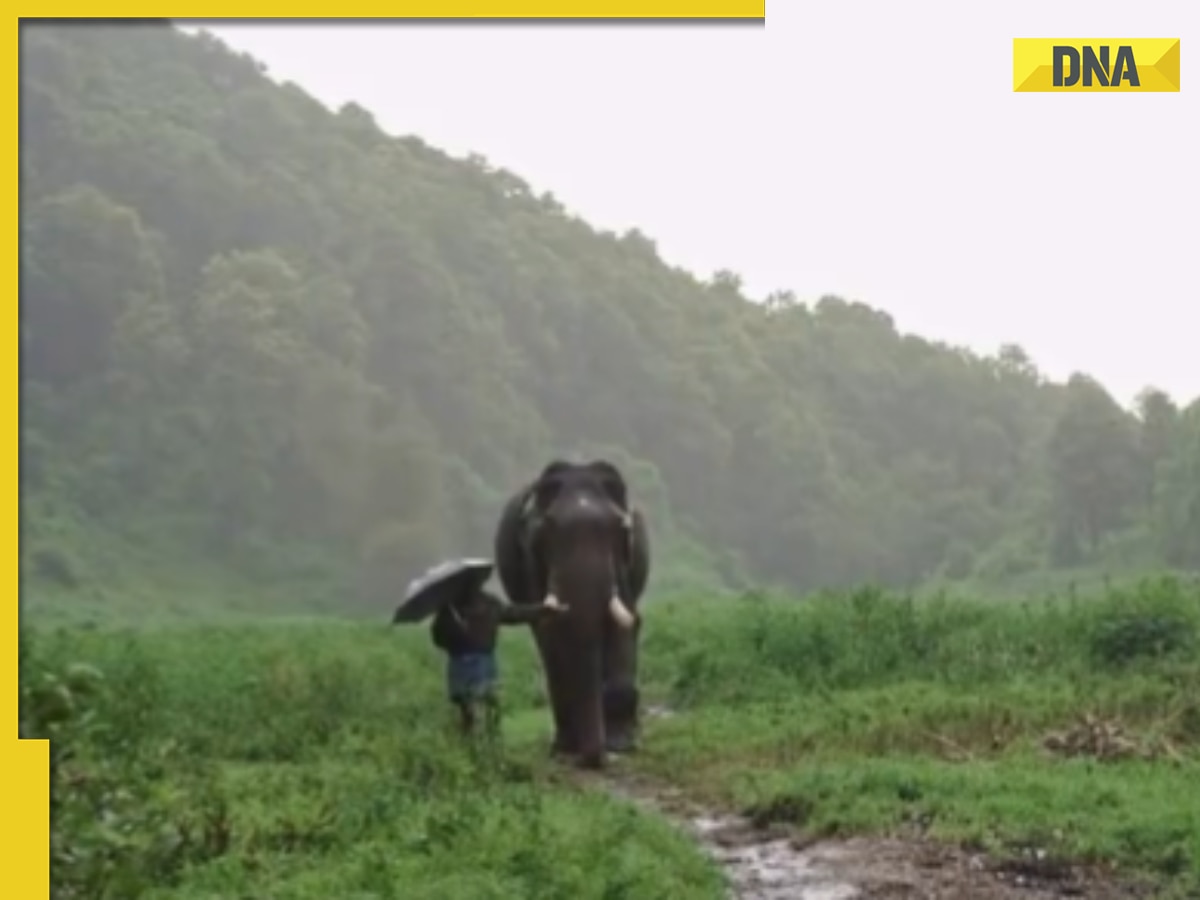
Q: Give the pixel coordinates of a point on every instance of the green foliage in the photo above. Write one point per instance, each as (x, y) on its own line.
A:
(307, 761)
(276, 340)
(1124, 638)
(1177, 492)
(870, 638)
(117, 828)
(1095, 468)
(298, 759)
(934, 716)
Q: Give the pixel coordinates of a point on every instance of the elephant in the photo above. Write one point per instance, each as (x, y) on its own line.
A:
(570, 537)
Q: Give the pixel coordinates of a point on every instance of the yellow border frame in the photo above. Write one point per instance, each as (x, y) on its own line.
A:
(552, 10)
(25, 763)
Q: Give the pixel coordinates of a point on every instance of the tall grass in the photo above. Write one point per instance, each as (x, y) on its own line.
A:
(758, 648)
(313, 759)
(878, 713)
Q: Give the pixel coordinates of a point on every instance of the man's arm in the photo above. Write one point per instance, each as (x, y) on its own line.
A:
(511, 614)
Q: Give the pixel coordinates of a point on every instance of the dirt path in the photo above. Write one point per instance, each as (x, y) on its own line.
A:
(770, 864)
(759, 866)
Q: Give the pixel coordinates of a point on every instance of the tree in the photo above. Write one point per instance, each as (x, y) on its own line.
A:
(1157, 419)
(1093, 465)
(1178, 495)
(87, 259)
(405, 506)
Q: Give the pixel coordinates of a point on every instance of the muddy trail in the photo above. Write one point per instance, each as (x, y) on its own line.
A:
(776, 863)
(773, 862)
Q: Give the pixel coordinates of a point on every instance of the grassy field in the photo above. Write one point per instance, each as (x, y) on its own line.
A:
(1071, 726)
(317, 758)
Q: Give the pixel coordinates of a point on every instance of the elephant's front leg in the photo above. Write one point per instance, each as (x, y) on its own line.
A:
(621, 699)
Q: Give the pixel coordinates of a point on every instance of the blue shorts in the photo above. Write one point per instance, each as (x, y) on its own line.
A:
(471, 675)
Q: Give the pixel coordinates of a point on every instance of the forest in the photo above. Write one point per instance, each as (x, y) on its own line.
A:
(266, 337)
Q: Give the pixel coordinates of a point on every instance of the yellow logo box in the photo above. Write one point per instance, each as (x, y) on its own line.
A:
(1046, 65)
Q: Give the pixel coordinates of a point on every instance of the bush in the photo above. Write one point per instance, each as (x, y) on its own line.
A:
(314, 761)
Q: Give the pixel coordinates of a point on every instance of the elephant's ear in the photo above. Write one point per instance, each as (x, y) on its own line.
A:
(637, 526)
(528, 507)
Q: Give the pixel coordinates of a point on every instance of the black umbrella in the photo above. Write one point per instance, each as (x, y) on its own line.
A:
(443, 583)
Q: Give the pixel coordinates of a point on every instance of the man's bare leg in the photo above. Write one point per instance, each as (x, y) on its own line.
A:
(466, 711)
(491, 712)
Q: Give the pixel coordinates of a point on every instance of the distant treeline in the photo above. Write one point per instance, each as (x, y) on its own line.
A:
(263, 330)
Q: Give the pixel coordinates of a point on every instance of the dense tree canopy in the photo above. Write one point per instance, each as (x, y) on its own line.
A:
(265, 330)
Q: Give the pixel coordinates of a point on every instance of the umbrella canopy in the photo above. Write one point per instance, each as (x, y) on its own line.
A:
(443, 583)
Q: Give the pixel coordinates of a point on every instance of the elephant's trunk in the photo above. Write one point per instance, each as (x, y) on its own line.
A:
(586, 593)
(616, 607)
(586, 587)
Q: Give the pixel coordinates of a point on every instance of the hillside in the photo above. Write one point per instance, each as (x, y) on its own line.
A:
(262, 337)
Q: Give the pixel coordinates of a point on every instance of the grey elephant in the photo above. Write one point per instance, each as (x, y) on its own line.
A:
(572, 537)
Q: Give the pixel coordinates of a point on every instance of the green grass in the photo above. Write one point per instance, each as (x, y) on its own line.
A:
(296, 759)
(870, 714)
(320, 760)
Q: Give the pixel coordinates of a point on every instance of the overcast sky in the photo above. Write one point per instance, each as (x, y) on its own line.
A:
(869, 149)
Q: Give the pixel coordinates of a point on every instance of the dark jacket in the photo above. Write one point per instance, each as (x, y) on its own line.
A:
(473, 625)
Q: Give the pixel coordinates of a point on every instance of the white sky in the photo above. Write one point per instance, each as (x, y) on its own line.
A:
(873, 150)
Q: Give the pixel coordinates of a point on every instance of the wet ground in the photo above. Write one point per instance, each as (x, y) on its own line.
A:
(767, 864)
(766, 869)
(776, 863)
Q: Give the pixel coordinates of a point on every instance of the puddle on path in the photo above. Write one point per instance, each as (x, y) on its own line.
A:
(757, 867)
(771, 869)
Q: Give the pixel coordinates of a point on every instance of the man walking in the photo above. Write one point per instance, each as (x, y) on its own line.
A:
(467, 630)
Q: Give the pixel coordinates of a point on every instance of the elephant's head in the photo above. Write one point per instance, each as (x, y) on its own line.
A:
(581, 530)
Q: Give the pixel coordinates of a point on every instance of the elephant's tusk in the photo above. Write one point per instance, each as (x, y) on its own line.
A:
(624, 515)
(620, 612)
(550, 601)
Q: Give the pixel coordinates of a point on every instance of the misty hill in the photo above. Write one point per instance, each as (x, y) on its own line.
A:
(270, 337)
